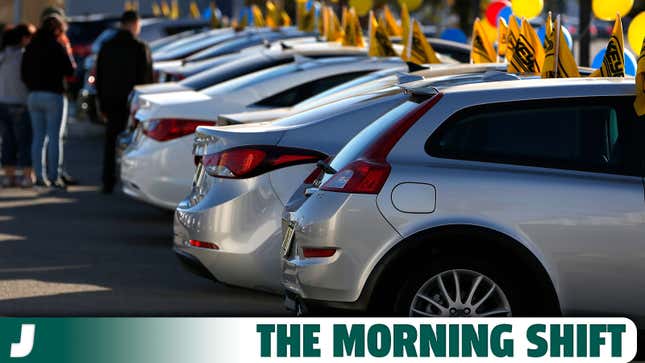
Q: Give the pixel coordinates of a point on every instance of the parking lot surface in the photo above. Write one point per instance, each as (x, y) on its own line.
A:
(82, 253)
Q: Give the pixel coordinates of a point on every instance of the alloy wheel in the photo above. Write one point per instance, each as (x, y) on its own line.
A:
(460, 293)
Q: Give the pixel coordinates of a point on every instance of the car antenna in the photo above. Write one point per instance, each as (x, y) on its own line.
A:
(285, 46)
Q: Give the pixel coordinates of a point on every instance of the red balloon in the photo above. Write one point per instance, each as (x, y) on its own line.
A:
(493, 9)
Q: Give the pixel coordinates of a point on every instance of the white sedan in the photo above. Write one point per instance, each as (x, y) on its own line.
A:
(156, 167)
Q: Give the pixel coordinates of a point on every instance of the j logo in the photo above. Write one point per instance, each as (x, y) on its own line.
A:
(23, 348)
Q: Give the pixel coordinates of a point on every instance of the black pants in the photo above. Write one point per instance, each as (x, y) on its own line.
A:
(117, 120)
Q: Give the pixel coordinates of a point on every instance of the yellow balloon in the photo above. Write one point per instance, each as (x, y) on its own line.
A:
(636, 32)
(527, 8)
(412, 4)
(362, 7)
(607, 9)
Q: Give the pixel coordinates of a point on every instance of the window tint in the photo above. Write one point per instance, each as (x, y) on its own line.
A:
(589, 136)
(230, 71)
(304, 91)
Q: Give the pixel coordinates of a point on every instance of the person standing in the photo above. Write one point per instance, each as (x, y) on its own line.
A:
(45, 64)
(15, 125)
(123, 62)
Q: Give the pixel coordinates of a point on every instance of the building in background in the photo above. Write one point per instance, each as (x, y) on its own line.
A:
(12, 11)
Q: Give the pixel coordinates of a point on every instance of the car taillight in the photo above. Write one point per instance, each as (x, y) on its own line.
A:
(360, 176)
(202, 244)
(368, 173)
(318, 252)
(169, 129)
(250, 161)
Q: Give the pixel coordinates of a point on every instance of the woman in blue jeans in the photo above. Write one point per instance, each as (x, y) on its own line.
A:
(45, 65)
(15, 126)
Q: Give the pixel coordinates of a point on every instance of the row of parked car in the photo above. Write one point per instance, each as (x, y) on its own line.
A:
(357, 185)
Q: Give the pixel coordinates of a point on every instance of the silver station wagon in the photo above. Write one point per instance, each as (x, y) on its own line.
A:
(495, 199)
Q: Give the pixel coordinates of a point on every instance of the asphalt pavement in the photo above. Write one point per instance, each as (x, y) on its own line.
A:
(82, 253)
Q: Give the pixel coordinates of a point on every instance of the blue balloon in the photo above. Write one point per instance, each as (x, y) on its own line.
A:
(454, 34)
(567, 36)
(505, 13)
(630, 61)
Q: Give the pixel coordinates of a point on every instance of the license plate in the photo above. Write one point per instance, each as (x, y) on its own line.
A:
(287, 239)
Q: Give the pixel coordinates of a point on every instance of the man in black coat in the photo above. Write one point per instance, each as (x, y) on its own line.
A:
(123, 62)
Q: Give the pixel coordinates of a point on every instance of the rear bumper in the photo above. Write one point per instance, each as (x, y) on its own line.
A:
(158, 173)
(336, 220)
(192, 264)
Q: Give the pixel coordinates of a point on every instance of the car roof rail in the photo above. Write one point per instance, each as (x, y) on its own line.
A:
(493, 76)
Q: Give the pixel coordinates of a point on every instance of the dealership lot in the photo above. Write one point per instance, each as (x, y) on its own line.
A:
(84, 253)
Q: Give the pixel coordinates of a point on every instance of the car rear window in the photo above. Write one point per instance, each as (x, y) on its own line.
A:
(562, 134)
(229, 71)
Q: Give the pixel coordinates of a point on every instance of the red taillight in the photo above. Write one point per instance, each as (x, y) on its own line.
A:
(249, 161)
(368, 173)
(360, 176)
(168, 129)
(201, 244)
(318, 252)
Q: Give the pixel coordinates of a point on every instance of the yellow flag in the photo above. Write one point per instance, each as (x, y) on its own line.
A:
(127, 5)
(274, 17)
(559, 62)
(214, 20)
(639, 104)
(305, 19)
(511, 38)
(174, 10)
(380, 45)
(502, 37)
(405, 31)
(482, 49)
(194, 10)
(165, 8)
(156, 9)
(258, 18)
(333, 31)
(285, 18)
(613, 64)
(241, 24)
(391, 26)
(526, 52)
(420, 50)
(353, 34)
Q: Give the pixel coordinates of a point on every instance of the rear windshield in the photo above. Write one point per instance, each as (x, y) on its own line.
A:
(229, 71)
(251, 79)
(316, 114)
(363, 140)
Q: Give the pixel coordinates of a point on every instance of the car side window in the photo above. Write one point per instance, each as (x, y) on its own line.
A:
(297, 94)
(585, 135)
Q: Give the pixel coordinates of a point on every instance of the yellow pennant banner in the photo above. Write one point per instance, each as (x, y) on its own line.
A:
(639, 104)
(391, 26)
(502, 37)
(421, 52)
(380, 45)
(528, 53)
(613, 64)
(559, 62)
(333, 30)
(258, 18)
(405, 31)
(512, 37)
(482, 49)
(353, 34)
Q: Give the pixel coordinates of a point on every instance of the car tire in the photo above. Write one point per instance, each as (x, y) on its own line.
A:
(507, 286)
